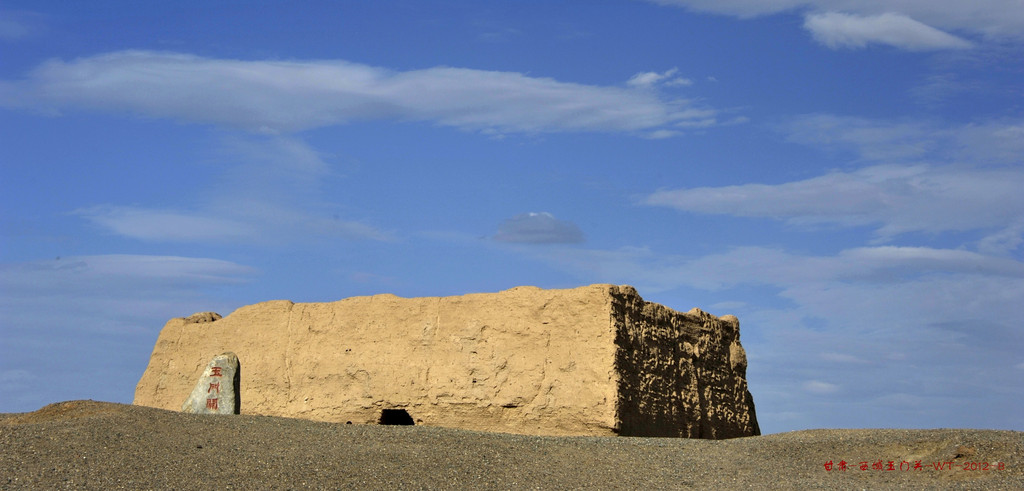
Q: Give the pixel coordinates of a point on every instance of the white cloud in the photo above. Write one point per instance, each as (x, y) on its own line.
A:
(123, 273)
(646, 80)
(739, 8)
(678, 82)
(930, 259)
(172, 225)
(662, 134)
(270, 193)
(1004, 241)
(838, 30)
(251, 222)
(895, 199)
(939, 88)
(971, 186)
(538, 228)
(991, 142)
(760, 265)
(286, 96)
(925, 299)
(288, 159)
(991, 19)
(873, 140)
(751, 265)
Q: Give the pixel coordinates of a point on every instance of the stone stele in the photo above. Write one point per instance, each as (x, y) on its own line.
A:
(216, 392)
(594, 360)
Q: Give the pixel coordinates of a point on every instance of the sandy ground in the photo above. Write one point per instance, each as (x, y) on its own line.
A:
(98, 445)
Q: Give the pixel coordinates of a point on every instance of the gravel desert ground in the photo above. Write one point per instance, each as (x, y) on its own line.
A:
(99, 445)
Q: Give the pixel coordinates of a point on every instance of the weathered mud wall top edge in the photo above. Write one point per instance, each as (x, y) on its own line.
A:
(622, 292)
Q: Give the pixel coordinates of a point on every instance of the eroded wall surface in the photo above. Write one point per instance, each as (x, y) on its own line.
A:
(524, 360)
(681, 374)
(594, 360)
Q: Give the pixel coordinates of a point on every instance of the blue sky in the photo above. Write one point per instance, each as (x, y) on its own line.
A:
(844, 176)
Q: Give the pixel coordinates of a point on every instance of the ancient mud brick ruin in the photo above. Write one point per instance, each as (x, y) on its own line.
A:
(594, 360)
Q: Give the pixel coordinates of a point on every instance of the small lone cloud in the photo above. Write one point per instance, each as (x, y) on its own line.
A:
(538, 228)
(646, 80)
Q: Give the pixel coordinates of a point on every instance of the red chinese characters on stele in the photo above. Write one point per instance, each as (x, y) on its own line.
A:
(211, 402)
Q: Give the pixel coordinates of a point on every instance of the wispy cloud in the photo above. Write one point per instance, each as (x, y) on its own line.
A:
(839, 30)
(270, 193)
(288, 96)
(122, 274)
(739, 8)
(978, 143)
(909, 24)
(15, 24)
(894, 199)
(538, 228)
(940, 88)
(969, 183)
(775, 267)
(167, 225)
(108, 295)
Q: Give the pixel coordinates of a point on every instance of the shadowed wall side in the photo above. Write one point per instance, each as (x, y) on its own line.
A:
(681, 374)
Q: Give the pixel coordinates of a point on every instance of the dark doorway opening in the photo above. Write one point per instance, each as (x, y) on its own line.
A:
(395, 417)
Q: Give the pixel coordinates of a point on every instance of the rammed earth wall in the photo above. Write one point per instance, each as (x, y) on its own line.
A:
(680, 374)
(594, 360)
